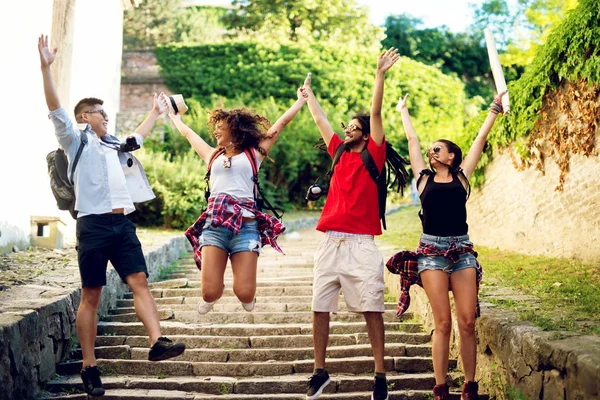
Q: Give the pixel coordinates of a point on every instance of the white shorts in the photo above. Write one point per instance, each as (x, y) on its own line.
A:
(354, 264)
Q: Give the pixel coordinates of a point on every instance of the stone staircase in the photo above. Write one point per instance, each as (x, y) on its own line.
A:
(264, 354)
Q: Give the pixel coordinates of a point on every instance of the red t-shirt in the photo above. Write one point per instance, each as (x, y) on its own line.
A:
(352, 205)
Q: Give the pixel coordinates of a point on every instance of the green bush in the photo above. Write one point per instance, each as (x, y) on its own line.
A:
(266, 78)
(179, 188)
(572, 53)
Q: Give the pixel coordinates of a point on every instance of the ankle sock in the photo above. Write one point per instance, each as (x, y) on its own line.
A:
(320, 372)
(380, 375)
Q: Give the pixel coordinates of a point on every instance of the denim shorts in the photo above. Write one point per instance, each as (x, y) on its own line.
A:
(466, 260)
(248, 239)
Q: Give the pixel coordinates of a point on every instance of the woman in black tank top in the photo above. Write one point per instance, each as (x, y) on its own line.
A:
(446, 260)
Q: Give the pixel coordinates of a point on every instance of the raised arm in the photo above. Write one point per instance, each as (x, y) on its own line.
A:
(46, 59)
(317, 113)
(286, 118)
(158, 107)
(203, 149)
(385, 61)
(417, 163)
(470, 162)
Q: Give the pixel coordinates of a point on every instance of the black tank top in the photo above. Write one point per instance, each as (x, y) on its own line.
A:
(444, 208)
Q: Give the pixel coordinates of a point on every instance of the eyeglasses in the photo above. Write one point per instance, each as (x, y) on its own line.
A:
(102, 112)
(351, 127)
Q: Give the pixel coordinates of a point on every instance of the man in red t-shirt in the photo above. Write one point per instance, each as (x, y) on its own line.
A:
(348, 258)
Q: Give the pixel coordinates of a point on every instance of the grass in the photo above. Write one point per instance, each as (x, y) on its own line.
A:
(165, 272)
(568, 289)
(300, 214)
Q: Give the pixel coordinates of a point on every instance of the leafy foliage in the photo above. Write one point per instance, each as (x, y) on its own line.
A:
(308, 21)
(157, 22)
(462, 54)
(566, 70)
(179, 188)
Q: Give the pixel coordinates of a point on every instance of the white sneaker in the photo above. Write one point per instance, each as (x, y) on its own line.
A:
(249, 306)
(204, 307)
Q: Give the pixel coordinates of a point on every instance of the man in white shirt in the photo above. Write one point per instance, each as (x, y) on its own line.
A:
(107, 180)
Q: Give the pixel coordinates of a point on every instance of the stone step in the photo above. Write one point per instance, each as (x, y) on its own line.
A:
(232, 307)
(182, 283)
(254, 317)
(306, 277)
(410, 339)
(279, 385)
(144, 394)
(260, 291)
(266, 354)
(229, 300)
(348, 365)
(170, 328)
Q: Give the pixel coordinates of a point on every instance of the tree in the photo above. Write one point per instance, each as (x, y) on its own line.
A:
(462, 54)
(158, 22)
(521, 30)
(341, 21)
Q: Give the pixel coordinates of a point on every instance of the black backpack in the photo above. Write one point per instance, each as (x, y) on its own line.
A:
(394, 162)
(60, 183)
(259, 197)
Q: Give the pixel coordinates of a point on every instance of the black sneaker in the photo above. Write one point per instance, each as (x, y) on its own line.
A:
(380, 389)
(316, 385)
(91, 381)
(164, 349)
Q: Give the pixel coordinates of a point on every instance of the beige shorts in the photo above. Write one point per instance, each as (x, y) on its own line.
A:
(354, 264)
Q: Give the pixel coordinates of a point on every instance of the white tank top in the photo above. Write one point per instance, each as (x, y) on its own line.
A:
(236, 181)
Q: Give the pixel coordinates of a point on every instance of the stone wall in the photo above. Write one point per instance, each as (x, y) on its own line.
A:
(37, 328)
(515, 358)
(522, 211)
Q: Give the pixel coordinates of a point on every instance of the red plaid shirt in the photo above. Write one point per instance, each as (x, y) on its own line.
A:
(405, 263)
(269, 227)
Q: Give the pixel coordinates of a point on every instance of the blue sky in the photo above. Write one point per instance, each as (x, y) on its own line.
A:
(456, 14)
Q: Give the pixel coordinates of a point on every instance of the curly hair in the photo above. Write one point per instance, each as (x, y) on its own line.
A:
(247, 128)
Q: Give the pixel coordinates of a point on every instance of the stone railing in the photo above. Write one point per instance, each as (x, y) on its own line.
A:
(516, 360)
(37, 324)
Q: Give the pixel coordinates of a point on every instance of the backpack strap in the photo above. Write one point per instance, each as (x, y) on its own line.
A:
(213, 157)
(259, 196)
(380, 179)
(84, 140)
(336, 156)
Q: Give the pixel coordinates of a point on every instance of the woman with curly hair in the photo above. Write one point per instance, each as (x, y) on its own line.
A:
(232, 226)
(445, 259)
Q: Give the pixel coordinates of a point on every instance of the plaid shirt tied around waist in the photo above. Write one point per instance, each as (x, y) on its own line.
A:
(405, 263)
(269, 228)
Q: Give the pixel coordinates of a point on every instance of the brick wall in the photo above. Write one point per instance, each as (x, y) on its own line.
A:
(522, 211)
(140, 79)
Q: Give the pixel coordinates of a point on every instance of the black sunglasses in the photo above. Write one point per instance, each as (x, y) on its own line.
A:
(102, 112)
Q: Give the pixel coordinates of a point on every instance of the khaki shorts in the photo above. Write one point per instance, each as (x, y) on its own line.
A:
(351, 263)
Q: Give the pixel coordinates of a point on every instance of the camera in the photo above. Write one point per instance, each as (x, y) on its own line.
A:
(130, 144)
(315, 192)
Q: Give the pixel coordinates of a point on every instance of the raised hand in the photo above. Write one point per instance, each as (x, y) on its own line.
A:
(158, 105)
(497, 103)
(164, 103)
(308, 80)
(387, 58)
(401, 103)
(302, 94)
(46, 56)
